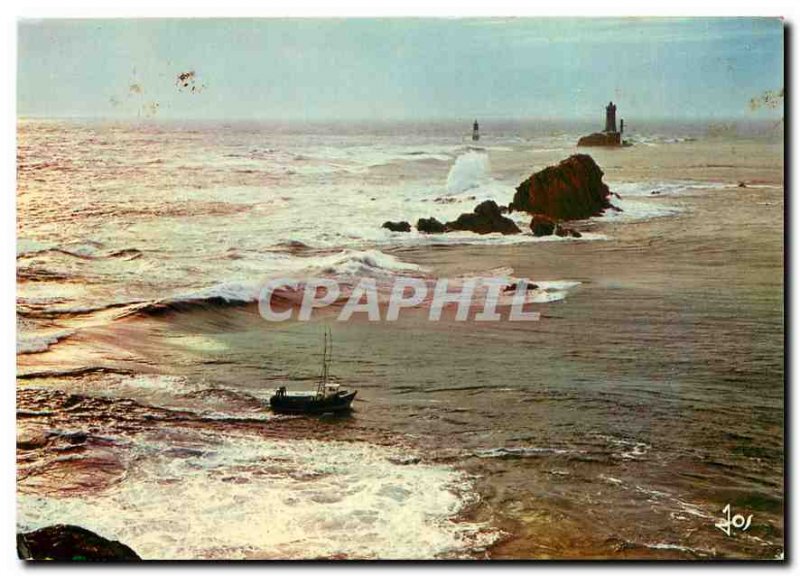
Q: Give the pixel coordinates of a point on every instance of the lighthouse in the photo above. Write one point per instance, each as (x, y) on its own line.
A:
(611, 118)
(475, 133)
(610, 136)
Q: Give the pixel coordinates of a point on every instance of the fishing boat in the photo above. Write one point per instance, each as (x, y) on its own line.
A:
(328, 396)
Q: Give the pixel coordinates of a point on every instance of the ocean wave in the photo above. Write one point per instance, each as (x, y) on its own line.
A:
(345, 265)
(520, 452)
(664, 188)
(636, 199)
(469, 171)
(178, 393)
(656, 139)
(462, 238)
(633, 210)
(191, 397)
(626, 448)
(83, 251)
(361, 158)
(360, 263)
(30, 308)
(696, 552)
(552, 290)
(267, 498)
(35, 343)
(223, 293)
(71, 372)
(26, 246)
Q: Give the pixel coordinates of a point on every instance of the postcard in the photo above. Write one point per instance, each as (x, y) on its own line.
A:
(400, 289)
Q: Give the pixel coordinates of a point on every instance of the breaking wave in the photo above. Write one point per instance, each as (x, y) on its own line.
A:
(361, 263)
(664, 188)
(246, 497)
(469, 171)
(35, 343)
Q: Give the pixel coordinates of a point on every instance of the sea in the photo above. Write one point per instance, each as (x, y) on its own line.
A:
(648, 396)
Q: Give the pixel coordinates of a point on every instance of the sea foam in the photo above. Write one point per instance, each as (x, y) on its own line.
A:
(470, 170)
(247, 497)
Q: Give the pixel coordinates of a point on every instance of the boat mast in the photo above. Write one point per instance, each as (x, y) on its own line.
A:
(324, 353)
(327, 353)
(325, 359)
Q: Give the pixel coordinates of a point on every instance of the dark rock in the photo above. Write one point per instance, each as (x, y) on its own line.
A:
(525, 285)
(571, 190)
(31, 439)
(612, 139)
(542, 225)
(76, 437)
(485, 219)
(430, 226)
(72, 400)
(71, 543)
(564, 232)
(397, 226)
(742, 185)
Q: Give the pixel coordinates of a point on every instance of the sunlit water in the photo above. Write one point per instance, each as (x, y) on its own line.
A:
(648, 396)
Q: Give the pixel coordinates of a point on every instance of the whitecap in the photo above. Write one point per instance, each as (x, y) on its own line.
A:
(469, 171)
(248, 497)
(34, 343)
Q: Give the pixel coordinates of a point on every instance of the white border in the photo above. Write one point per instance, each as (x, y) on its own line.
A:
(390, 8)
(15, 9)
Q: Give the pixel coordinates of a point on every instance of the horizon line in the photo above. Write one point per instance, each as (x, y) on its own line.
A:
(400, 119)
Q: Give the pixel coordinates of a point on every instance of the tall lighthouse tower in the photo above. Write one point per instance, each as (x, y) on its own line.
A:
(609, 136)
(611, 118)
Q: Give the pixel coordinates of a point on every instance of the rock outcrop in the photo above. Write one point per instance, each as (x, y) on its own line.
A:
(397, 226)
(485, 219)
(64, 542)
(544, 226)
(523, 284)
(612, 139)
(567, 232)
(430, 226)
(571, 190)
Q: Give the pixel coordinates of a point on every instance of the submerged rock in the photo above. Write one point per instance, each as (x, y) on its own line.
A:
(30, 439)
(564, 232)
(397, 226)
(430, 226)
(542, 225)
(612, 139)
(485, 219)
(571, 190)
(524, 285)
(65, 542)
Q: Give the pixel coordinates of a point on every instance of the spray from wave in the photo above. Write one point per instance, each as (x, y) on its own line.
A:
(243, 497)
(469, 171)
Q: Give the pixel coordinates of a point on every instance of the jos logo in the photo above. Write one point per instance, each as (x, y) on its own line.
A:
(738, 521)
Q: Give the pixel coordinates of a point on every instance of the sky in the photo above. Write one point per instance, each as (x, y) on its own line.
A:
(351, 69)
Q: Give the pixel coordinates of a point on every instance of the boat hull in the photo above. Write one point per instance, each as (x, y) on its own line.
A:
(287, 404)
